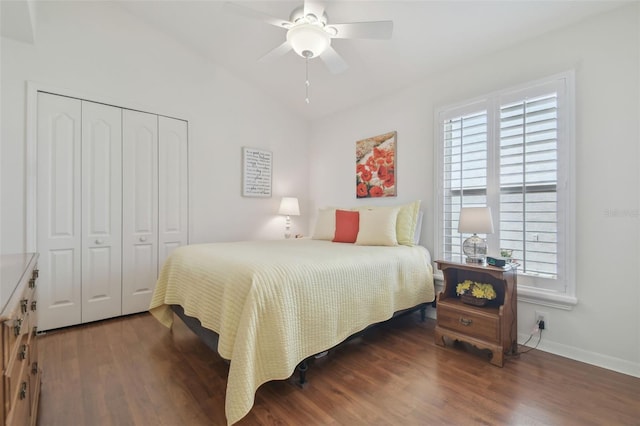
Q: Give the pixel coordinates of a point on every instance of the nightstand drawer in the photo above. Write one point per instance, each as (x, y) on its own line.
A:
(476, 324)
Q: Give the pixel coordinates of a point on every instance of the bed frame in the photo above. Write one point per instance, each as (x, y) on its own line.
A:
(210, 338)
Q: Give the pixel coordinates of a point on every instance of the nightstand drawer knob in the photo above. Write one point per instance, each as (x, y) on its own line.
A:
(465, 321)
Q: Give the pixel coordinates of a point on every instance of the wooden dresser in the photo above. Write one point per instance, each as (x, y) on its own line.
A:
(20, 390)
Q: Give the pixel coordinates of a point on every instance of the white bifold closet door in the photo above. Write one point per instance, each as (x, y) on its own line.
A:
(58, 215)
(173, 197)
(140, 210)
(155, 201)
(101, 211)
(79, 210)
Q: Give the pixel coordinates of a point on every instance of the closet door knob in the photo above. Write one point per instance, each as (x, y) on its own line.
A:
(143, 239)
(99, 241)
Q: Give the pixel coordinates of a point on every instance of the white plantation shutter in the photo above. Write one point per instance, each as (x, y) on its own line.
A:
(528, 183)
(465, 174)
(513, 151)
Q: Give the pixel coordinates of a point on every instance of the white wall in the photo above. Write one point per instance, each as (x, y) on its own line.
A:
(97, 49)
(604, 327)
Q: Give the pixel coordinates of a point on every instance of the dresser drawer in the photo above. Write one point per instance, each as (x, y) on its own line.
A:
(17, 370)
(16, 367)
(474, 323)
(16, 327)
(19, 414)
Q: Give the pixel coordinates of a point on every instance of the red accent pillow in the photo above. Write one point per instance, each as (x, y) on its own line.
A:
(347, 226)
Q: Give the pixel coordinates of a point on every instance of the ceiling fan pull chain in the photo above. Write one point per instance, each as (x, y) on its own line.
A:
(306, 82)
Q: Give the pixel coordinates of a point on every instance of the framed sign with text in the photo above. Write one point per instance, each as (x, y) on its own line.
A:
(256, 172)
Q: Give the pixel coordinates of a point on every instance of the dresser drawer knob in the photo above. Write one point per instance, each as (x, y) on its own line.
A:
(23, 352)
(23, 390)
(17, 327)
(35, 273)
(23, 305)
(34, 368)
(34, 305)
(32, 283)
(465, 321)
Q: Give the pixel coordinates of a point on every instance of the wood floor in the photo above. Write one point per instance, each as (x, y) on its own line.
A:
(133, 371)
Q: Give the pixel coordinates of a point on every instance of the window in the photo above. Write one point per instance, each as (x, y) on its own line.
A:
(513, 151)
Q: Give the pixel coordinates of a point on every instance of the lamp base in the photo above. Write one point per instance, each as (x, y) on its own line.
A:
(475, 249)
(477, 260)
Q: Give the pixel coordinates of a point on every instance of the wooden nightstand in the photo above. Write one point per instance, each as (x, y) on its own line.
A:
(493, 326)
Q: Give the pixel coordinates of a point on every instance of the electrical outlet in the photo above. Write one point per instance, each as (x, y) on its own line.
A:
(542, 316)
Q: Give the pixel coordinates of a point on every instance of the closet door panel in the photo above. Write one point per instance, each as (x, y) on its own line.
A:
(58, 217)
(173, 183)
(102, 211)
(140, 210)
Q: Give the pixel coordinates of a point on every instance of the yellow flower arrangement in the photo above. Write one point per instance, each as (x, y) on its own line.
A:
(478, 290)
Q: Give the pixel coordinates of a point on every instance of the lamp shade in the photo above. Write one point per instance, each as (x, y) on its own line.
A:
(475, 220)
(289, 206)
(308, 40)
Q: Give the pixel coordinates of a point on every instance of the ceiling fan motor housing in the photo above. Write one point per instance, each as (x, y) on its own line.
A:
(298, 14)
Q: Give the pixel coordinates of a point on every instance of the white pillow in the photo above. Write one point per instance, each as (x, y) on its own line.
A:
(406, 223)
(378, 227)
(325, 228)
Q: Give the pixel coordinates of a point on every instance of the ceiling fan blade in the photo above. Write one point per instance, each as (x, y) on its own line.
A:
(276, 53)
(375, 29)
(247, 12)
(333, 61)
(314, 7)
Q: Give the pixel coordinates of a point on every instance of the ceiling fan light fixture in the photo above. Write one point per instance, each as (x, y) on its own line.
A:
(308, 40)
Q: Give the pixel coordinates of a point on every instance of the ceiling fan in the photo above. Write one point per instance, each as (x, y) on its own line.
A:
(309, 32)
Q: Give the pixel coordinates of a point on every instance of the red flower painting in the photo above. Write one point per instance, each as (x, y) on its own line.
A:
(376, 166)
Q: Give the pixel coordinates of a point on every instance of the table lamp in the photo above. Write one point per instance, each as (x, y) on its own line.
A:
(289, 207)
(474, 220)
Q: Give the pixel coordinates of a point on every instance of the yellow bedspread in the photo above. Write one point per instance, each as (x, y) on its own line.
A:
(275, 303)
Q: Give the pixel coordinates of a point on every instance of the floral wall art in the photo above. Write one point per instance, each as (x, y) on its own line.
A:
(376, 166)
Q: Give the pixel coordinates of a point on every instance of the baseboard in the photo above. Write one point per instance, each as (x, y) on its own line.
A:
(593, 358)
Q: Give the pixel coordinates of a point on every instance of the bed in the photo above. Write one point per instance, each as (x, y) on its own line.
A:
(273, 304)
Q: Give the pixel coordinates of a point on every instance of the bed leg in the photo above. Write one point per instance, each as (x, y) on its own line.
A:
(302, 373)
(423, 313)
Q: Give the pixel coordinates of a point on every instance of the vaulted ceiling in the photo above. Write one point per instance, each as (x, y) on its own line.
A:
(428, 37)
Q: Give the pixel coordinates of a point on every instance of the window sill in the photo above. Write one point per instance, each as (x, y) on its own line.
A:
(549, 298)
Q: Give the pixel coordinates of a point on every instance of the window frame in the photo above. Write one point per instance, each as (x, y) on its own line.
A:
(559, 292)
